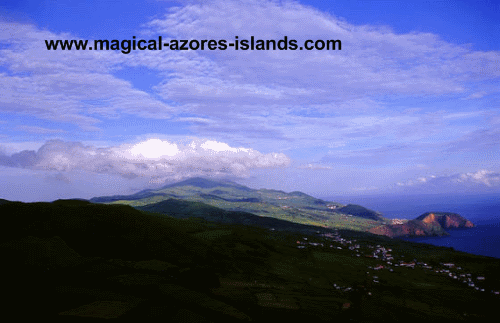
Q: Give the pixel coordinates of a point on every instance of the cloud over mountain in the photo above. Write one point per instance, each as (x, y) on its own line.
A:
(154, 158)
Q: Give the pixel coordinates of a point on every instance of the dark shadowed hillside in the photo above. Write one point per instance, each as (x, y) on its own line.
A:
(186, 209)
(74, 260)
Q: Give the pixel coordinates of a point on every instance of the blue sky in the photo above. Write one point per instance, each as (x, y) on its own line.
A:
(409, 105)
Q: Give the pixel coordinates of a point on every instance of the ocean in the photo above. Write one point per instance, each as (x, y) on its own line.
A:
(483, 211)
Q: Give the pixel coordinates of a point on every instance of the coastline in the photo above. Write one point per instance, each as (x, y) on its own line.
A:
(481, 240)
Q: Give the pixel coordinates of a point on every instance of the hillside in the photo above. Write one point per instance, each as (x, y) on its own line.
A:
(295, 207)
(182, 209)
(359, 211)
(76, 260)
(2, 201)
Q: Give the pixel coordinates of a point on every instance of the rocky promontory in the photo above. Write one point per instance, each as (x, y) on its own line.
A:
(428, 224)
(446, 220)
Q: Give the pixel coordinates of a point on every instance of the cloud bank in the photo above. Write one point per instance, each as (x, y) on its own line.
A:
(159, 160)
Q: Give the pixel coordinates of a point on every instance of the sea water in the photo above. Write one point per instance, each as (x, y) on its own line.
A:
(482, 240)
(483, 211)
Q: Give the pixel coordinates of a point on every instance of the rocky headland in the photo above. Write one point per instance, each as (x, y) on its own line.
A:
(427, 224)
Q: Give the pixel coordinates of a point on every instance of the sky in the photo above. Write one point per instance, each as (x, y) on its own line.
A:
(410, 103)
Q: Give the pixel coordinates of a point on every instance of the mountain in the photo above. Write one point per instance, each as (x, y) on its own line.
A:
(427, 224)
(206, 183)
(211, 200)
(196, 182)
(294, 207)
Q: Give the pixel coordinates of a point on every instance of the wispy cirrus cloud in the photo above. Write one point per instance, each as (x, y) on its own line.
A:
(314, 167)
(60, 85)
(476, 95)
(373, 59)
(387, 100)
(479, 181)
(39, 130)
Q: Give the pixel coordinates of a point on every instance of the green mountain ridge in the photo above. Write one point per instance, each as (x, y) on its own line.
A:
(206, 183)
(182, 209)
(295, 207)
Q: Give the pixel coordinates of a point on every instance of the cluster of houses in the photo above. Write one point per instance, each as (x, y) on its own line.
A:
(387, 261)
(456, 272)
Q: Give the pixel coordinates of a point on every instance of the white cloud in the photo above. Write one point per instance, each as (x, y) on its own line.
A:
(488, 178)
(154, 158)
(483, 178)
(154, 149)
(314, 167)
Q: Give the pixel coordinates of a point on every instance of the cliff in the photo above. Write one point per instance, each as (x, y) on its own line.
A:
(446, 220)
(428, 224)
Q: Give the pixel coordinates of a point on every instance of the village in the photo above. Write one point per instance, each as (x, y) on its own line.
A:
(390, 263)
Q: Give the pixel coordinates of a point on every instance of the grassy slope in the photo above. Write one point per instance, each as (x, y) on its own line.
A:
(186, 209)
(77, 258)
(296, 206)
